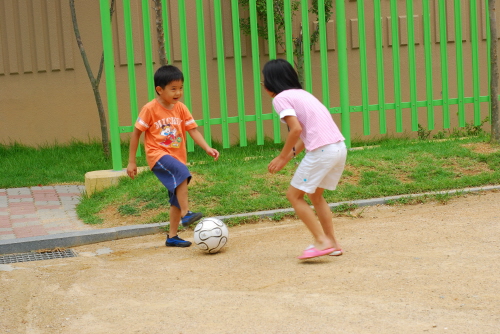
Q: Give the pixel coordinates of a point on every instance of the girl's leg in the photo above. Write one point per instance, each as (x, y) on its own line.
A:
(181, 192)
(324, 215)
(306, 214)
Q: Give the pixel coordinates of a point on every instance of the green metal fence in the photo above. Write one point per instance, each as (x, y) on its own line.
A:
(393, 107)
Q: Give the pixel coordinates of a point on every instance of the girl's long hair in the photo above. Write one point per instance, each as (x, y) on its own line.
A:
(279, 75)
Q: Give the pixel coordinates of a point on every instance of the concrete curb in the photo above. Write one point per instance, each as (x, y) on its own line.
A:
(73, 239)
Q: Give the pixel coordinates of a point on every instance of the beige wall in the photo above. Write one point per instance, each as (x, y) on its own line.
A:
(45, 94)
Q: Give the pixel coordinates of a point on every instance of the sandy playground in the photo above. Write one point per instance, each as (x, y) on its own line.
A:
(428, 268)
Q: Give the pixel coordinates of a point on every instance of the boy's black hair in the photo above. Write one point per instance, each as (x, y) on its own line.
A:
(166, 74)
(279, 75)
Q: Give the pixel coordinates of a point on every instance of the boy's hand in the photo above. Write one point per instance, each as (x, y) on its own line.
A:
(213, 153)
(132, 170)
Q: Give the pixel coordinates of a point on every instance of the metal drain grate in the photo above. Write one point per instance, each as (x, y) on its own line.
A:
(37, 256)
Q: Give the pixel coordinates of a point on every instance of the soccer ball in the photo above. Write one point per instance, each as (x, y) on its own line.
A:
(210, 235)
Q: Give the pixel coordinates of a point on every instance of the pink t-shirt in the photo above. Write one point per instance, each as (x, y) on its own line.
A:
(318, 127)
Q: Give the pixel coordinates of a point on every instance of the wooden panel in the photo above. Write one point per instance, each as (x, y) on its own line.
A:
(330, 35)
(174, 28)
(39, 40)
(450, 20)
(55, 58)
(11, 33)
(227, 29)
(68, 35)
(25, 36)
(119, 24)
(354, 34)
(137, 33)
(403, 30)
(2, 38)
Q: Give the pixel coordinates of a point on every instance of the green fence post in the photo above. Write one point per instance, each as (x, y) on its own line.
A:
(306, 46)
(380, 66)
(343, 71)
(428, 63)
(148, 49)
(396, 65)
(221, 70)
(240, 91)
(185, 63)
(129, 41)
(256, 72)
(444, 63)
(363, 67)
(475, 61)
(411, 63)
(202, 53)
(271, 38)
(288, 31)
(460, 63)
(109, 70)
(323, 50)
(166, 30)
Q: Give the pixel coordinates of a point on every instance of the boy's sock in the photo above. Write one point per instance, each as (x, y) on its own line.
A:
(176, 242)
(190, 218)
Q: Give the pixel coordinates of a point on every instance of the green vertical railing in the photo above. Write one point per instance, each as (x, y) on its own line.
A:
(426, 13)
(238, 69)
(271, 37)
(412, 64)
(221, 70)
(396, 66)
(256, 72)
(459, 62)
(148, 48)
(475, 61)
(306, 45)
(374, 55)
(166, 30)
(202, 54)
(109, 71)
(343, 65)
(380, 66)
(363, 61)
(443, 43)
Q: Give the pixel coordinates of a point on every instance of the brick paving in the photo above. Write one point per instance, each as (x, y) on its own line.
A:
(38, 211)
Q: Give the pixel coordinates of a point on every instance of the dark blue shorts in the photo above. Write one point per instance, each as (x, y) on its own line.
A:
(171, 172)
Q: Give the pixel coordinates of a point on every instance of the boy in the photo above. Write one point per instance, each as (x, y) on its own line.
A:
(165, 121)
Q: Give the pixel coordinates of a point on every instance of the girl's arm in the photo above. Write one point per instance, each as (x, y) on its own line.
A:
(200, 141)
(293, 140)
(134, 143)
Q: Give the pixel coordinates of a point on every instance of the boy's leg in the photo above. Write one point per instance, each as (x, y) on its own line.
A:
(306, 214)
(324, 214)
(184, 215)
(175, 218)
(182, 197)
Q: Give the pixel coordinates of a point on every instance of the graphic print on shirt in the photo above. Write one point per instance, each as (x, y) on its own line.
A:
(169, 131)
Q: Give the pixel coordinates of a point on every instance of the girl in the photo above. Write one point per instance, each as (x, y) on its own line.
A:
(311, 127)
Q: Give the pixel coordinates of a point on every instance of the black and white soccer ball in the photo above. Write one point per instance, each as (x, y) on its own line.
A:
(210, 235)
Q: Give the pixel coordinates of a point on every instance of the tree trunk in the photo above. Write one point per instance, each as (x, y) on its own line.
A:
(160, 35)
(93, 81)
(495, 121)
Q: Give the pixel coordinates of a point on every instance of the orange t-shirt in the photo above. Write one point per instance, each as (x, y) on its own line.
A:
(165, 130)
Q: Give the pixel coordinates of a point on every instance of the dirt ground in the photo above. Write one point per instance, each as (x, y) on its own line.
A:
(428, 268)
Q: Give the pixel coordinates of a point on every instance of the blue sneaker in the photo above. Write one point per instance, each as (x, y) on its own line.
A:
(176, 242)
(190, 218)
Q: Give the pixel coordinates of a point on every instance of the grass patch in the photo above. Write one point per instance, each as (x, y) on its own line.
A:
(239, 182)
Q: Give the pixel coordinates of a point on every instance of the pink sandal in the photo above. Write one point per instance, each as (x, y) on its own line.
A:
(336, 252)
(310, 253)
